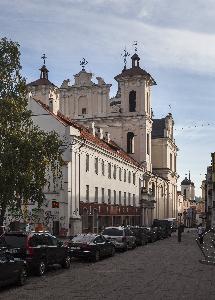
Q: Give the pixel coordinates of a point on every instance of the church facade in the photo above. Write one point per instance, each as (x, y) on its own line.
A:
(127, 122)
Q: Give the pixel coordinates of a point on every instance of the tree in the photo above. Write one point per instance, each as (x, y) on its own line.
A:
(26, 152)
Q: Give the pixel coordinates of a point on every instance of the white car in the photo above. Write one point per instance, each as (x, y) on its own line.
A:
(122, 237)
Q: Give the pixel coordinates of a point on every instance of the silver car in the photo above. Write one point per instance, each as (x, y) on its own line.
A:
(122, 237)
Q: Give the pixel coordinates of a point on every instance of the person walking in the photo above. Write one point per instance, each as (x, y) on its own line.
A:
(200, 231)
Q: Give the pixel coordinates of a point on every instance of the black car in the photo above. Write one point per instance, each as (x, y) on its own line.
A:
(12, 270)
(165, 227)
(91, 246)
(38, 249)
(140, 235)
(151, 233)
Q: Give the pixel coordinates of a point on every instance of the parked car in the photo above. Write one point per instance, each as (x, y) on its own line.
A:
(173, 224)
(165, 227)
(122, 237)
(91, 246)
(38, 249)
(140, 235)
(151, 233)
(12, 270)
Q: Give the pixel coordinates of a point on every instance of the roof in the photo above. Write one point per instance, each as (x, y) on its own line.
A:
(158, 128)
(135, 71)
(41, 81)
(87, 135)
(187, 181)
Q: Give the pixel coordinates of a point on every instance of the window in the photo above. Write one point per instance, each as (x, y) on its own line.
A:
(87, 163)
(124, 175)
(103, 167)
(129, 198)
(84, 111)
(153, 189)
(114, 172)
(134, 178)
(87, 193)
(96, 165)
(130, 142)
(161, 191)
(103, 195)
(120, 197)
(96, 194)
(109, 170)
(148, 146)
(109, 196)
(124, 198)
(132, 101)
(134, 200)
(170, 159)
(147, 102)
(120, 174)
(114, 197)
(129, 177)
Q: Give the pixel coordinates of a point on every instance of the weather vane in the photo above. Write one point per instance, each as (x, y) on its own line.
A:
(135, 46)
(125, 55)
(83, 63)
(44, 58)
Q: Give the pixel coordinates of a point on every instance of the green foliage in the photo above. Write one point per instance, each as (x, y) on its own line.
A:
(26, 152)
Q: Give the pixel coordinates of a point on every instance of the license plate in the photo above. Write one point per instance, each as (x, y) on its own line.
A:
(74, 248)
(13, 250)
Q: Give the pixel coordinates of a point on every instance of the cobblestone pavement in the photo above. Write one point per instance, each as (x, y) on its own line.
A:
(162, 270)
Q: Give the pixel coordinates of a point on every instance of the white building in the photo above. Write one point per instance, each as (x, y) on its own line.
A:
(124, 139)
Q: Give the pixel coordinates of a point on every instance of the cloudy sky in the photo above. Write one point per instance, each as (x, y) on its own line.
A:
(176, 43)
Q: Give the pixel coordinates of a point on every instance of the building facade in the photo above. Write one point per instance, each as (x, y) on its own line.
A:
(124, 123)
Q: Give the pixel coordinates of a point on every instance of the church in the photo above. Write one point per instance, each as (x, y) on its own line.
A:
(140, 151)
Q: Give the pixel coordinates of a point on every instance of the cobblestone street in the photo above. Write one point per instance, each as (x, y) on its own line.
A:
(162, 270)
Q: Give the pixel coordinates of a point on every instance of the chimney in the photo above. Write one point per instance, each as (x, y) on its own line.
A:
(93, 129)
(101, 136)
(54, 105)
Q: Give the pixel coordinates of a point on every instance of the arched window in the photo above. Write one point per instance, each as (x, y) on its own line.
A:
(132, 101)
(130, 142)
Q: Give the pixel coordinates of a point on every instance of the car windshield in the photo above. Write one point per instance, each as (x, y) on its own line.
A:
(113, 232)
(15, 241)
(83, 239)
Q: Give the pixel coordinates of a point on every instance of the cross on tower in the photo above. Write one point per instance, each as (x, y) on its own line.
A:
(135, 46)
(83, 63)
(125, 55)
(44, 58)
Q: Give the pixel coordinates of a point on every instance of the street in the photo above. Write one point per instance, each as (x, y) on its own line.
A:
(165, 269)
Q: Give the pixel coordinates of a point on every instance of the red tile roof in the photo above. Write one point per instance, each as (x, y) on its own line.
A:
(87, 135)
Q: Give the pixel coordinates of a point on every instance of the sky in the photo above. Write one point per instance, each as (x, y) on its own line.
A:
(176, 44)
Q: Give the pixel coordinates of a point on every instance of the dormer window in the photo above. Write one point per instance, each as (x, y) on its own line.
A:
(132, 101)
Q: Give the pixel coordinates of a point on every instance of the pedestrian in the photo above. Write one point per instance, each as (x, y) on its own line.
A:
(200, 231)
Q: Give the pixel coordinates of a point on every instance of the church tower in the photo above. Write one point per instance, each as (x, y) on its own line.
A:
(133, 101)
(188, 189)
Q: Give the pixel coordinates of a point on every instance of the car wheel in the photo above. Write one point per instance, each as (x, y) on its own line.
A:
(134, 246)
(41, 268)
(22, 276)
(66, 263)
(96, 256)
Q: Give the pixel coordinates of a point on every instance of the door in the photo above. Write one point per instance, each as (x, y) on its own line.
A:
(54, 252)
(101, 245)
